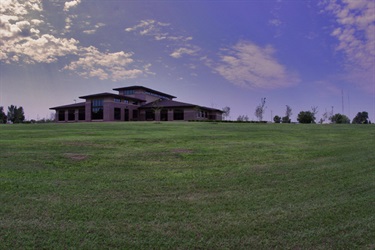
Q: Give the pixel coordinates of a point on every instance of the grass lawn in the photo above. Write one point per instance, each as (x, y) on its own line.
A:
(187, 186)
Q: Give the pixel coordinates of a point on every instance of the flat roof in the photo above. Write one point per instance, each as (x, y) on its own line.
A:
(147, 89)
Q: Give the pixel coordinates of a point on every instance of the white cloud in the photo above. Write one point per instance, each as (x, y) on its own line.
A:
(21, 38)
(355, 33)
(93, 29)
(275, 22)
(71, 4)
(22, 41)
(157, 30)
(178, 53)
(19, 7)
(113, 66)
(46, 48)
(251, 66)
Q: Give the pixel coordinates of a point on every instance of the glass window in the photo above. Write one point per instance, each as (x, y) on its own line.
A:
(129, 92)
(61, 115)
(71, 115)
(150, 115)
(178, 114)
(117, 100)
(97, 109)
(135, 114)
(82, 114)
(117, 113)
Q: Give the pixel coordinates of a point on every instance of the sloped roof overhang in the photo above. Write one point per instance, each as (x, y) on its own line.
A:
(145, 88)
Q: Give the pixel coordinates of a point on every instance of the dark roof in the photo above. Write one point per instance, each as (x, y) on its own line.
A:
(106, 94)
(74, 105)
(144, 88)
(174, 104)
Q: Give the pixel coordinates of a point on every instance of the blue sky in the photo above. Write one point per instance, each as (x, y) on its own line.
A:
(213, 53)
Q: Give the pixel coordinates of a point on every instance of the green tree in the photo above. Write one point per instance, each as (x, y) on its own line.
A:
(260, 109)
(15, 115)
(242, 118)
(339, 119)
(286, 119)
(277, 119)
(3, 117)
(288, 114)
(226, 112)
(361, 118)
(306, 117)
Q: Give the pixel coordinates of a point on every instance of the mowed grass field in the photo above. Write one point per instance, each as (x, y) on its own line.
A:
(187, 186)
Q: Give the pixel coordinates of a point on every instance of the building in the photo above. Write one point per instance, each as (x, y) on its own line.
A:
(134, 103)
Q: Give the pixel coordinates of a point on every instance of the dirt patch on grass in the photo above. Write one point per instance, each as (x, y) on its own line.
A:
(182, 151)
(78, 144)
(76, 157)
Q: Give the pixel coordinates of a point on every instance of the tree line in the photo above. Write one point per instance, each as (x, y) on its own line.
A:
(14, 115)
(308, 116)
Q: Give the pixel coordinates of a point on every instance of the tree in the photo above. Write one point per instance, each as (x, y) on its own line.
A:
(260, 109)
(288, 114)
(339, 119)
(361, 118)
(277, 119)
(3, 117)
(314, 110)
(243, 118)
(156, 107)
(15, 115)
(226, 112)
(286, 119)
(306, 117)
(325, 116)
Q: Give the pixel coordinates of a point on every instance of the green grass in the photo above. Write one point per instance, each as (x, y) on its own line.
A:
(187, 186)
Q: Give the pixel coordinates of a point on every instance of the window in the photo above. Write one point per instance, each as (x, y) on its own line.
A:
(117, 100)
(178, 114)
(117, 114)
(71, 115)
(82, 114)
(61, 115)
(150, 115)
(164, 115)
(129, 92)
(135, 115)
(97, 109)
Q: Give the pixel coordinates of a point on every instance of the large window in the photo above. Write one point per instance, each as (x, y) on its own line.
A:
(129, 92)
(61, 115)
(150, 115)
(178, 114)
(97, 109)
(117, 113)
(81, 114)
(71, 114)
(135, 115)
(164, 115)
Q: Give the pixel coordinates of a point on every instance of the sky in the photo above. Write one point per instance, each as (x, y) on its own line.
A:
(213, 53)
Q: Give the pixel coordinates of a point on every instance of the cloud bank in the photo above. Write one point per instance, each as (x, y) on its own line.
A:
(354, 30)
(23, 41)
(251, 66)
